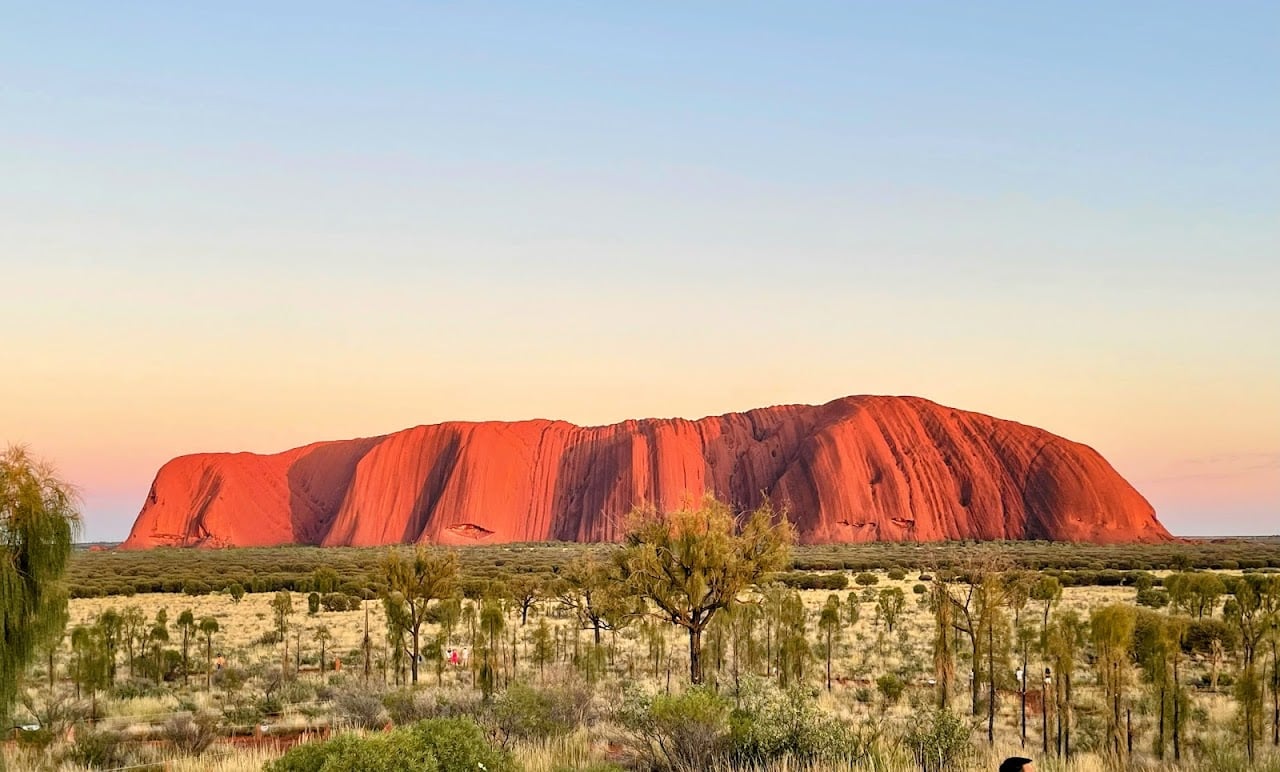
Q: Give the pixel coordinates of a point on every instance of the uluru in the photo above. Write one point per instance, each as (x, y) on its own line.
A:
(857, 469)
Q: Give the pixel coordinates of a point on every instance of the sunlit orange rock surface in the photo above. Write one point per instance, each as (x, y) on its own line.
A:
(853, 470)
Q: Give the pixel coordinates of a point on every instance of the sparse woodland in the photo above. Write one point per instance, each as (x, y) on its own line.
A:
(703, 642)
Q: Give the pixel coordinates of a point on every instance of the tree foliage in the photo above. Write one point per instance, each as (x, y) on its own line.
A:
(411, 584)
(697, 561)
(38, 516)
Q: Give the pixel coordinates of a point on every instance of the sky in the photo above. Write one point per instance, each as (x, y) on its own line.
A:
(248, 226)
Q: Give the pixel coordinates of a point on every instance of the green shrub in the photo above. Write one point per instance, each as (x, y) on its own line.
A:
(771, 725)
(939, 742)
(389, 752)
(195, 589)
(897, 574)
(525, 713)
(460, 745)
(1153, 598)
(360, 708)
(98, 749)
(192, 735)
(681, 732)
(866, 579)
(890, 687)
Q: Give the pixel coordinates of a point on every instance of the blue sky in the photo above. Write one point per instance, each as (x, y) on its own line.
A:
(247, 225)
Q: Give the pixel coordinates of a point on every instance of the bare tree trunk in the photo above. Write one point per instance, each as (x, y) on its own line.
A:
(366, 644)
(1044, 720)
(991, 681)
(1024, 693)
(828, 660)
(695, 656)
(1177, 710)
(413, 662)
(973, 675)
(1066, 734)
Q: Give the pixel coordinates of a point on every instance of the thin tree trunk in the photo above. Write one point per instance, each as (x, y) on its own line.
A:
(1066, 734)
(1177, 710)
(413, 662)
(828, 660)
(1024, 693)
(991, 681)
(1044, 720)
(973, 675)
(1160, 739)
(695, 656)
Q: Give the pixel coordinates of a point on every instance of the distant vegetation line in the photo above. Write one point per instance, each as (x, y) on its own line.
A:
(270, 569)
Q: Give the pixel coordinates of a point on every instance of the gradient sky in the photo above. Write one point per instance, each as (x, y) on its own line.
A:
(253, 225)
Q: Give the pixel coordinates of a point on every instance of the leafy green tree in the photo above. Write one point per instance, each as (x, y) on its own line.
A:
(525, 590)
(313, 603)
(829, 626)
(325, 579)
(889, 605)
(492, 622)
(157, 637)
(38, 517)
(236, 591)
(411, 584)
(1111, 629)
(596, 594)
(57, 634)
(110, 623)
(695, 562)
(1064, 638)
(282, 607)
(1157, 646)
(852, 609)
(208, 626)
(793, 646)
(1195, 592)
(89, 663)
(944, 652)
(542, 645)
(187, 626)
(1254, 603)
(1046, 590)
(133, 631)
(322, 636)
(993, 639)
(866, 579)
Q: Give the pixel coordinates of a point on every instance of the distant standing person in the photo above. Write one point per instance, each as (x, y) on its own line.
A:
(1018, 764)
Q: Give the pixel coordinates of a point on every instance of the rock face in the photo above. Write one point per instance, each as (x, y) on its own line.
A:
(853, 470)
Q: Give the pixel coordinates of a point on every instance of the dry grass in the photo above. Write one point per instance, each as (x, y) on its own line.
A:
(866, 651)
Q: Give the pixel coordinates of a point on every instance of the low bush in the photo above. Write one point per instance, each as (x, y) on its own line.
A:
(390, 752)
(527, 713)
(771, 724)
(679, 732)
(460, 745)
(98, 749)
(890, 687)
(939, 742)
(360, 708)
(192, 734)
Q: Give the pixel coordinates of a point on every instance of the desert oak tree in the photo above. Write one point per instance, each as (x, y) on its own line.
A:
(696, 561)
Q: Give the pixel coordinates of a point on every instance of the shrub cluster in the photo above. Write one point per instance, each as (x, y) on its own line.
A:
(436, 745)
